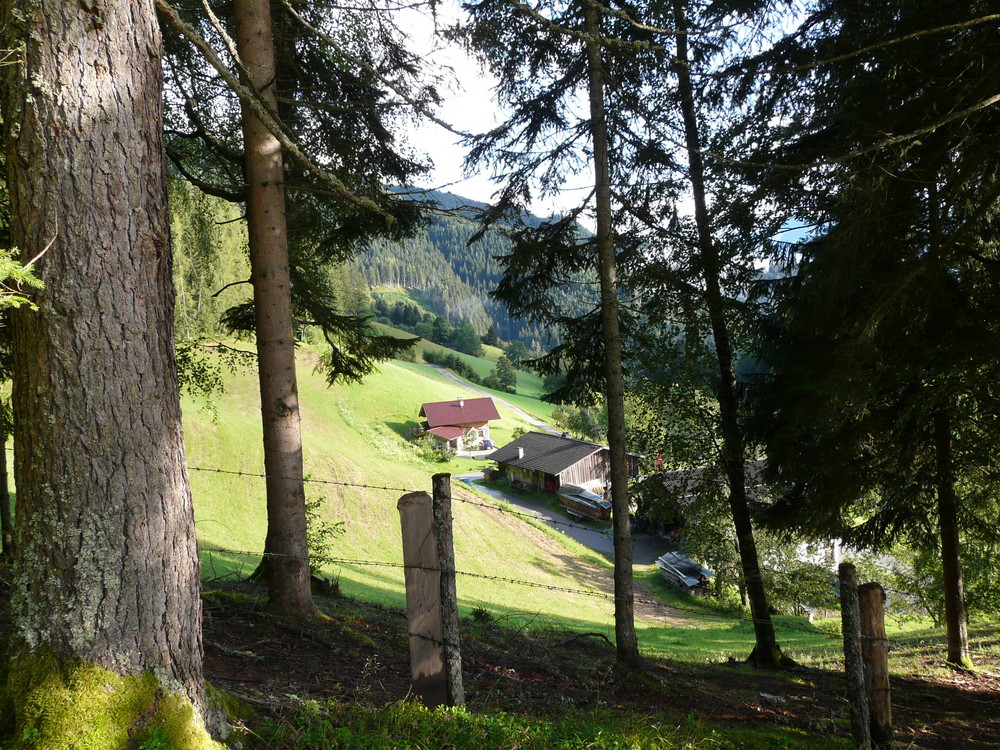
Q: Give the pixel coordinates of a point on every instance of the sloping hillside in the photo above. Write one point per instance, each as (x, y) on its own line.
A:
(354, 437)
(513, 662)
(360, 464)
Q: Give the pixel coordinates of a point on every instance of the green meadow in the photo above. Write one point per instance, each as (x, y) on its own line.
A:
(361, 463)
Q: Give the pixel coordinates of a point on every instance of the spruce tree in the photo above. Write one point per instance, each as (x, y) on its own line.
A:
(881, 347)
(105, 606)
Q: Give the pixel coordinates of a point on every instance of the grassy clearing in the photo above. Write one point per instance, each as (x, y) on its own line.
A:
(354, 434)
(918, 648)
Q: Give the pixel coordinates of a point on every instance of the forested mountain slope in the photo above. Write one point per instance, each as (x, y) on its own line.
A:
(453, 277)
(440, 272)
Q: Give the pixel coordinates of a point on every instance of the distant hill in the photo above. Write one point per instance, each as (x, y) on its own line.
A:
(449, 277)
(435, 273)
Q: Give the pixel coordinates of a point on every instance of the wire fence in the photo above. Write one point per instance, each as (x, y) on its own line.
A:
(672, 608)
(308, 480)
(690, 612)
(498, 508)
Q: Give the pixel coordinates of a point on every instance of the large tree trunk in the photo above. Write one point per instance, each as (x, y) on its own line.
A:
(105, 604)
(766, 650)
(286, 563)
(951, 560)
(625, 636)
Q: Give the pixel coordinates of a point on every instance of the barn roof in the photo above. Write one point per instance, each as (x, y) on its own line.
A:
(459, 411)
(543, 452)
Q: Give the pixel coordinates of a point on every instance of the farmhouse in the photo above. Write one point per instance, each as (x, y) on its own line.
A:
(541, 461)
(462, 424)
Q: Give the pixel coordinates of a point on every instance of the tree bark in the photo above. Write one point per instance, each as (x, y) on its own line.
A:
(6, 522)
(951, 559)
(107, 574)
(766, 649)
(286, 548)
(627, 644)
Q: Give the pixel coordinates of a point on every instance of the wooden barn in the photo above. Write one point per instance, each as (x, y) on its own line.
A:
(541, 461)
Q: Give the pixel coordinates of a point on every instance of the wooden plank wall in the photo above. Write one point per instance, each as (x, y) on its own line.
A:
(595, 466)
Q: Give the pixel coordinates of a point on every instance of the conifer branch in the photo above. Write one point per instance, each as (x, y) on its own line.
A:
(253, 100)
(417, 106)
(890, 42)
(884, 143)
(740, 68)
(217, 191)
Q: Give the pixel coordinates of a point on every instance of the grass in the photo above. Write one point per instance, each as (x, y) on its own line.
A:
(407, 725)
(529, 385)
(918, 648)
(355, 435)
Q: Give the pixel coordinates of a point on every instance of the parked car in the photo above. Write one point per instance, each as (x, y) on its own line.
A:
(581, 503)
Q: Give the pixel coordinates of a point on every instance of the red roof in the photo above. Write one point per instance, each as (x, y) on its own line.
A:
(459, 411)
(447, 432)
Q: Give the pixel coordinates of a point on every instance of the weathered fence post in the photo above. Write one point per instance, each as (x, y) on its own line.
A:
(428, 554)
(875, 650)
(850, 618)
(441, 484)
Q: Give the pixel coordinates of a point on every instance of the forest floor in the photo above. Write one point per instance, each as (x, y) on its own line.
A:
(359, 656)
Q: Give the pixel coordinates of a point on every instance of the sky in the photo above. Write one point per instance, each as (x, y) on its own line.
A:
(468, 106)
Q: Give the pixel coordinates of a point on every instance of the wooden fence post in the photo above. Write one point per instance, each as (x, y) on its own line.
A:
(441, 484)
(850, 618)
(434, 678)
(875, 650)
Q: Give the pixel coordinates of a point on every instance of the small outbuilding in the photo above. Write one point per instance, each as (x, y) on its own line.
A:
(462, 424)
(541, 461)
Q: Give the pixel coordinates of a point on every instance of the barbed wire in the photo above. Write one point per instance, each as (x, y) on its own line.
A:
(537, 517)
(297, 479)
(531, 516)
(528, 515)
(697, 613)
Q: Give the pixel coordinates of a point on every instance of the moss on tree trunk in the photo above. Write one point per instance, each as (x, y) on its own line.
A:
(64, 704)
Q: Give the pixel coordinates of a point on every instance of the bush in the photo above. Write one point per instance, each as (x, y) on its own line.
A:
(427, 449)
